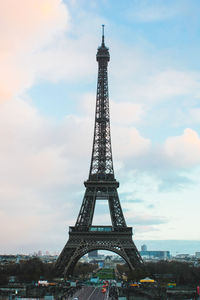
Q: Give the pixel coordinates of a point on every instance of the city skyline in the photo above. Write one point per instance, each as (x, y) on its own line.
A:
(47, 99)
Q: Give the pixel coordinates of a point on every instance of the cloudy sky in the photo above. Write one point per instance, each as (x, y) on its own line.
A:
(47, 100)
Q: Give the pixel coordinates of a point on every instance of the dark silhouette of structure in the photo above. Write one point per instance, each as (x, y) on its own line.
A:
(101, 184)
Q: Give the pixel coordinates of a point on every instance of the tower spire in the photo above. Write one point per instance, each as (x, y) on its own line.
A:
(102, 44)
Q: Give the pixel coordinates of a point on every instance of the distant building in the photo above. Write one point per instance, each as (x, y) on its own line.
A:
(144, 247)
(7, 259)
(48, 258)
(155, 254)
(108, 262)
(183, 257)
(93, 253)
(197, 254)
(12, 259)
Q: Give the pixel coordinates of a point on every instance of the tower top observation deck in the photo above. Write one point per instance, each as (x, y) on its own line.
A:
(103, 51)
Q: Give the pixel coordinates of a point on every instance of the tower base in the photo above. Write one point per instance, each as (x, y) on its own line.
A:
(82, 241)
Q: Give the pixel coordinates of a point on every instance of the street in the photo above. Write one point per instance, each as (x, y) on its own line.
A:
(90, 293)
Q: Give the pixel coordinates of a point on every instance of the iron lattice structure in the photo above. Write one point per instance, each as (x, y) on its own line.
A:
(101, 184)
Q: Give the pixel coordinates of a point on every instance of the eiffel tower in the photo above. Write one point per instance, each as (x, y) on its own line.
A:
(101, 185)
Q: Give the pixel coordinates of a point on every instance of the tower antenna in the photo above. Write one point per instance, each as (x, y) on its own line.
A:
(103, 34)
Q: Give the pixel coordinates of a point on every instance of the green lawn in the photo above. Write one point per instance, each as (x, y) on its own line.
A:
(105, 273)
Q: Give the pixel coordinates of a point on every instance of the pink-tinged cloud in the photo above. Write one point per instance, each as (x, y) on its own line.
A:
(37, 174)
(25, 27)
(184, 150)
(126, 113)
(128, 143)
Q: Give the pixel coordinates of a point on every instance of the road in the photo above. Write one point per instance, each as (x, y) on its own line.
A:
(90, 293)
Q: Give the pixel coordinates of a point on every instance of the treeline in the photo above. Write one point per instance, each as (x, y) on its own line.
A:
(164, 271)
(84, 269)
(34, 270)
(124, 271)
(27, 271)
(183, 273)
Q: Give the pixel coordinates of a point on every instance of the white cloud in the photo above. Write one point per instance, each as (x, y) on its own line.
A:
(40, 164)
(43, 164)
(128, 143)
(126, 113)
(184, 150)
(165, 85)
(40, 161)
(65, 59)
(36, 23)
(194, 115)
(171, 83)
(144, 219)
(189, 116)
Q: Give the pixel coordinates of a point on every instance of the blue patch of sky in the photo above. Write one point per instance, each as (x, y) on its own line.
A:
(172, 39)
(101, 208)
(56, 100)
(178, 32)
(170, 118)
(174, 181)
(158, 134)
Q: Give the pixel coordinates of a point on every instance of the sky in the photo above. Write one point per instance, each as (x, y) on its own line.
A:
(48, 80)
